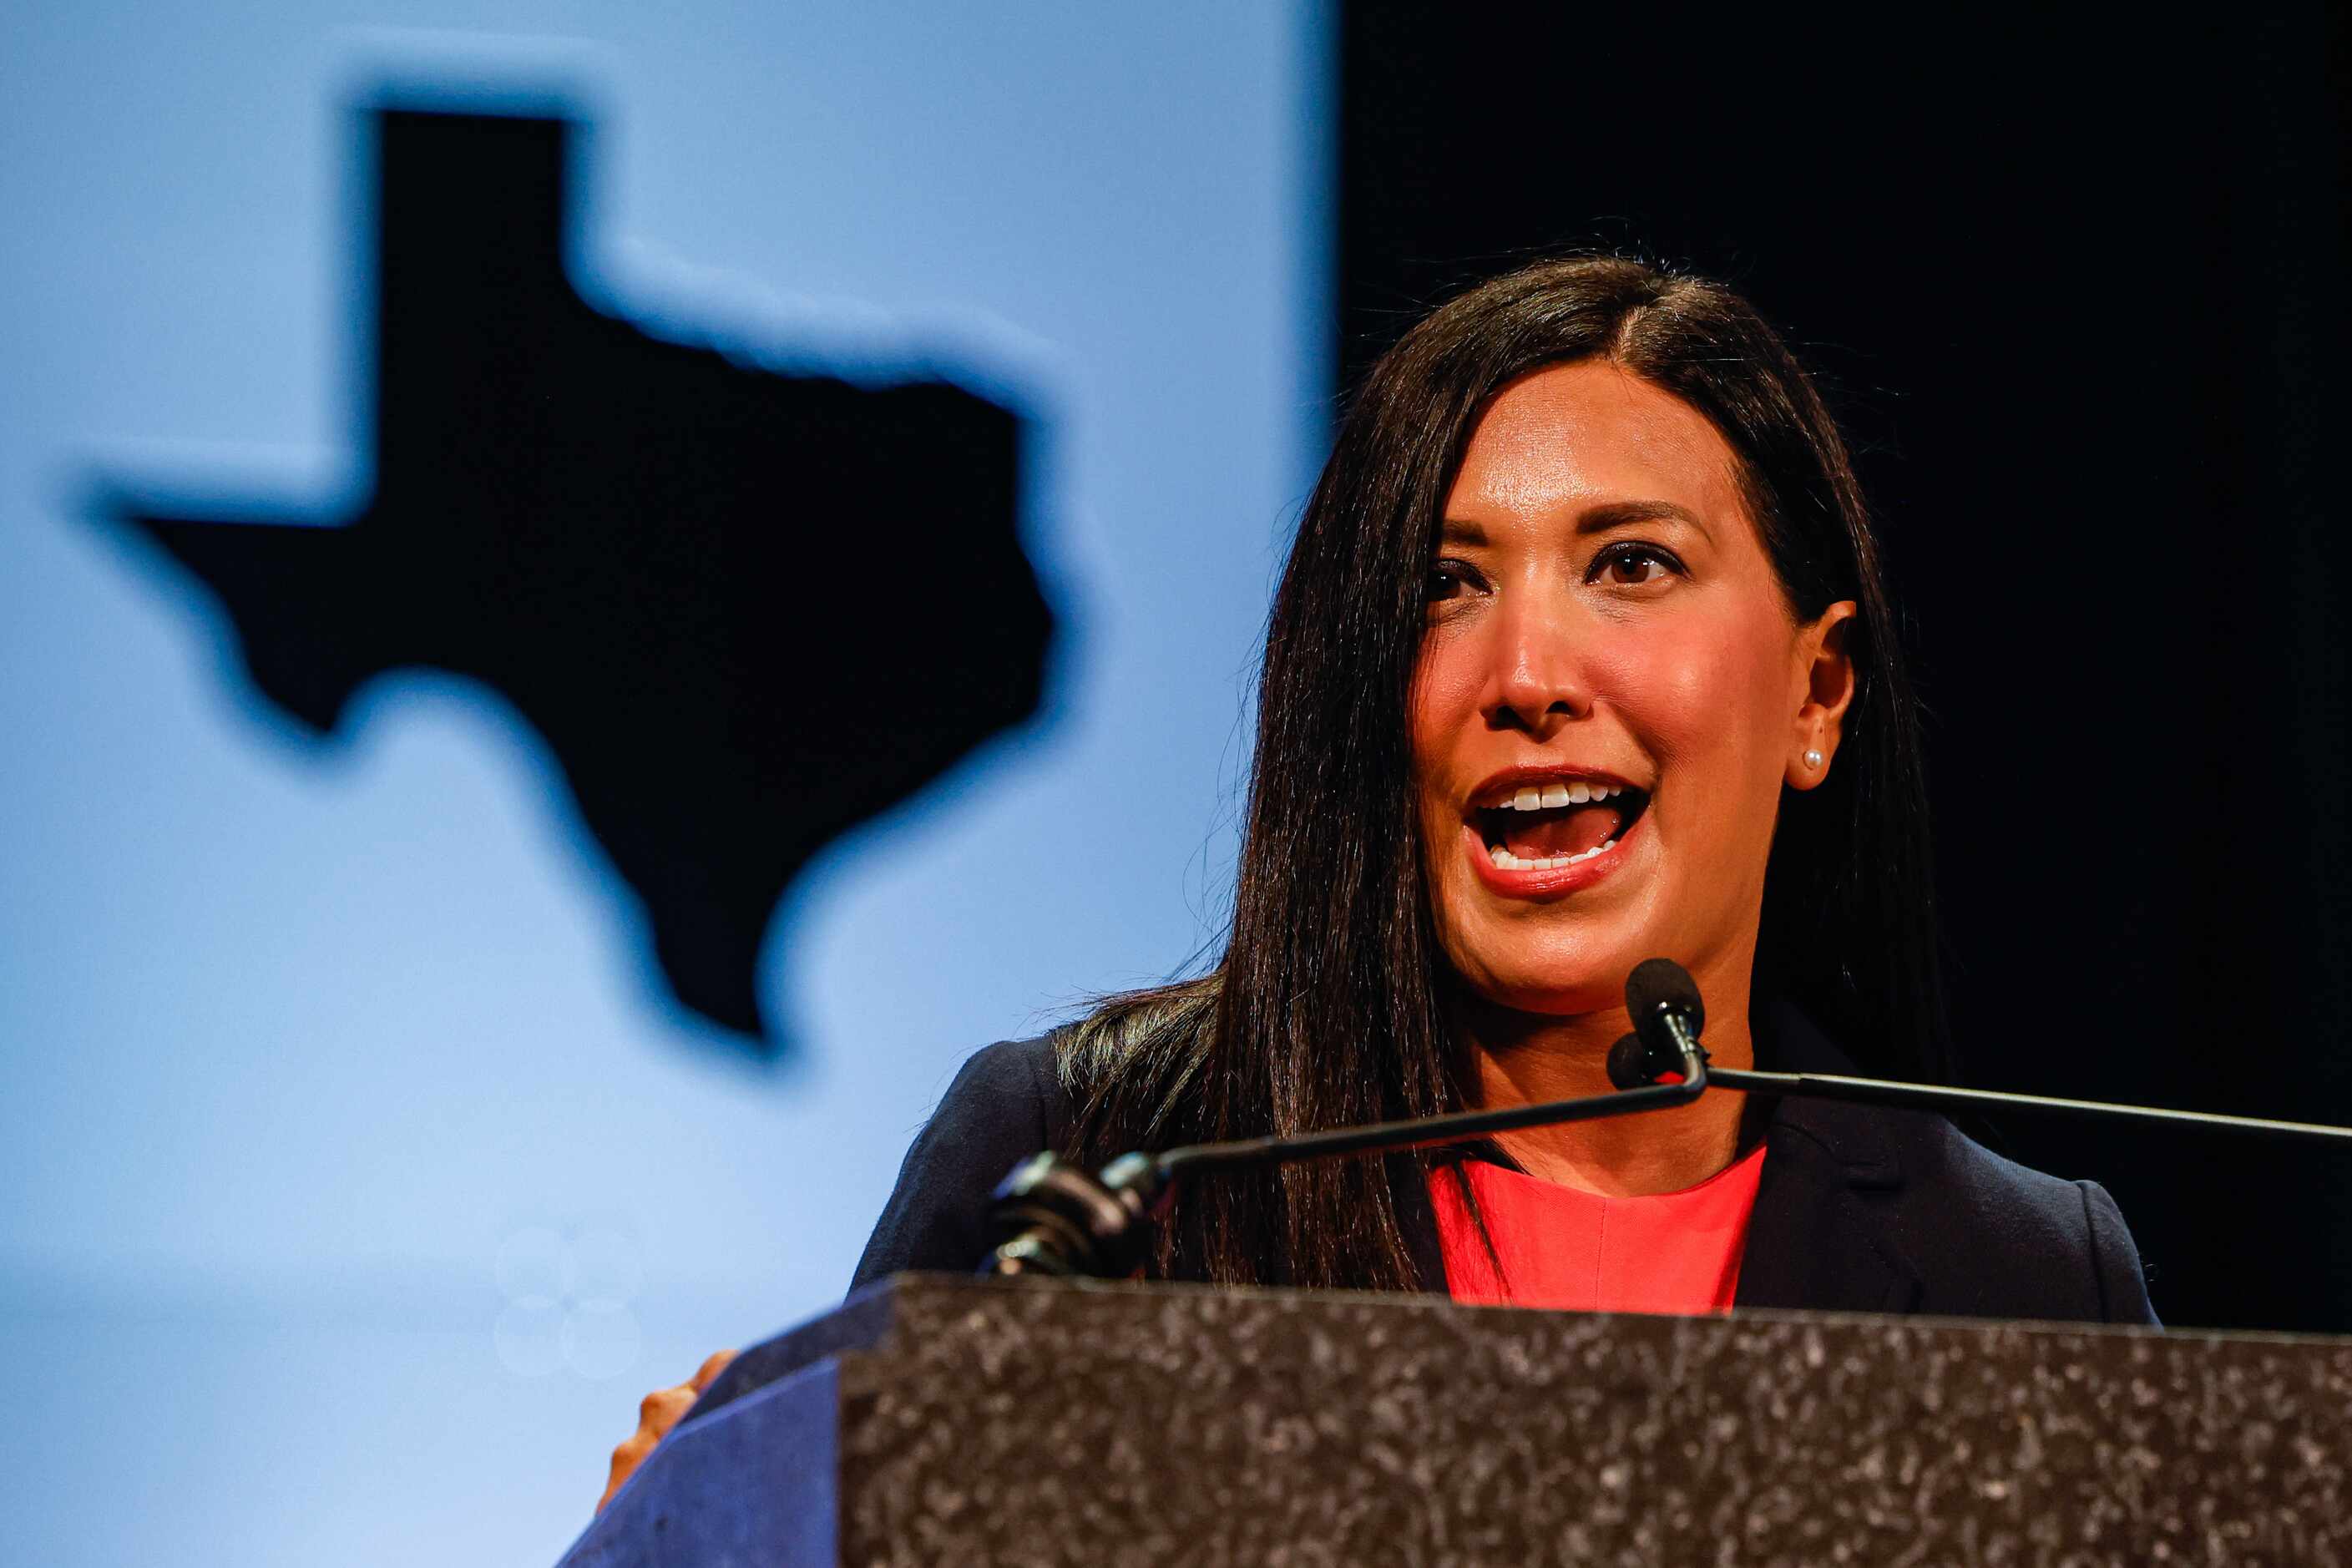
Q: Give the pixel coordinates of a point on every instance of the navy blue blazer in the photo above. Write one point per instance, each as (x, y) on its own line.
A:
(1860, 1209)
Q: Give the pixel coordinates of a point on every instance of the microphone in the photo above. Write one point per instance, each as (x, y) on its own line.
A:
(1632, 1064)
(1056, 1219)
(1663, 1000)
(1667, 1016)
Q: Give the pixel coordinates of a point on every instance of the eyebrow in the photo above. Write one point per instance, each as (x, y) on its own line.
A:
(1591, 519)
(1460, 530)
(1617, 513)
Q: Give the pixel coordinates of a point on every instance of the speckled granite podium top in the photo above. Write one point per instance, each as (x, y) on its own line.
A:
(936, 1419)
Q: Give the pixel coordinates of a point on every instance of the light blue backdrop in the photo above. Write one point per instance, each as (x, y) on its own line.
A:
(356, 1183)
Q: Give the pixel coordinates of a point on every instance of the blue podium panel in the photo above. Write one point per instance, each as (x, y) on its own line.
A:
(754, 1483)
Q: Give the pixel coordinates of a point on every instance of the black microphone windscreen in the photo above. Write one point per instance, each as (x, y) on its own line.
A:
(1658, 983)
(1629, 1064)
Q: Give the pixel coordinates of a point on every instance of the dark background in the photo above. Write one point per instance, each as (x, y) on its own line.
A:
(2075, 286)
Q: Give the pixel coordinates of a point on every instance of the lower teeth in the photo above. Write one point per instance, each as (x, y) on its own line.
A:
(1506, 861)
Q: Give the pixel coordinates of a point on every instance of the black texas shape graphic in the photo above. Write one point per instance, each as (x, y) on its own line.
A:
(746, 611)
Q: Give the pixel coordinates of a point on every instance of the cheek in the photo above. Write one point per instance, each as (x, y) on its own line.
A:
(1443, 711)
(1703, 694)
(1446, 680)
(1446, 684)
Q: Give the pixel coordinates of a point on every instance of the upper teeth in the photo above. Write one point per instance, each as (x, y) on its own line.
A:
(1535, 798)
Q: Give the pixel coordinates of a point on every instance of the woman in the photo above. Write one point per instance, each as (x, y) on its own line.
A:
(1582, 656)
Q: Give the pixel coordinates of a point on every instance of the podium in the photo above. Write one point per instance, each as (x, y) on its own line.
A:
(936, 1419)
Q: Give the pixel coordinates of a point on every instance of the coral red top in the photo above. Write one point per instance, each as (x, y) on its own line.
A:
(1578, 1251)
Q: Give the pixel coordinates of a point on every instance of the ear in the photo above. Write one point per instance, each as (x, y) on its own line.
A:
(1824, 673)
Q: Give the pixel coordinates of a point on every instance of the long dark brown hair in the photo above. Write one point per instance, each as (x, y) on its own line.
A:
(1328, 1006)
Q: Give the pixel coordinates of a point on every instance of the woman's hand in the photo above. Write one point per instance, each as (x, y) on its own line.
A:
(657, 1414)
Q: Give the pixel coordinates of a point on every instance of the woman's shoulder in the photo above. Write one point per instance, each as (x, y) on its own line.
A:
(1012, 1084)
(1009, 1100)
(2026, 1209)
(2038, 1245)
(1005, 1104)
(1982, 1235)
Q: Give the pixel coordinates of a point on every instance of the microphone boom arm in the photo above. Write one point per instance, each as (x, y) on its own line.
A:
(1939, 1097)
(1425, 1133)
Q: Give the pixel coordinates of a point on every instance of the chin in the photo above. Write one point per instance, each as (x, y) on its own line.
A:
(1554, 978)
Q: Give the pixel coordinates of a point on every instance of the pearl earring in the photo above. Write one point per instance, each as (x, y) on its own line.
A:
(1812, 759)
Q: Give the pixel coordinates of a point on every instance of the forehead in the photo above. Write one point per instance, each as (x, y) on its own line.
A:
(1569, 436)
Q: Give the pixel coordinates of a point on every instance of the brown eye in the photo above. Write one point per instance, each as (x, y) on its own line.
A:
(1633, 566)
(1448, 579)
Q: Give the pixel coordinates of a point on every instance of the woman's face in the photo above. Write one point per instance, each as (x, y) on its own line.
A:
(1612, 693)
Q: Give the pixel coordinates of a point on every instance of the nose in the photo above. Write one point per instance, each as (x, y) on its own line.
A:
(1538, 682)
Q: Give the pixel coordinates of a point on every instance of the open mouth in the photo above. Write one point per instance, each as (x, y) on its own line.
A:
(1541, 827)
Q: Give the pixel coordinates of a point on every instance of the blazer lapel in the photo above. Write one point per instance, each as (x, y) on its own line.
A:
(1822, 1236)
(1818, 1237)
